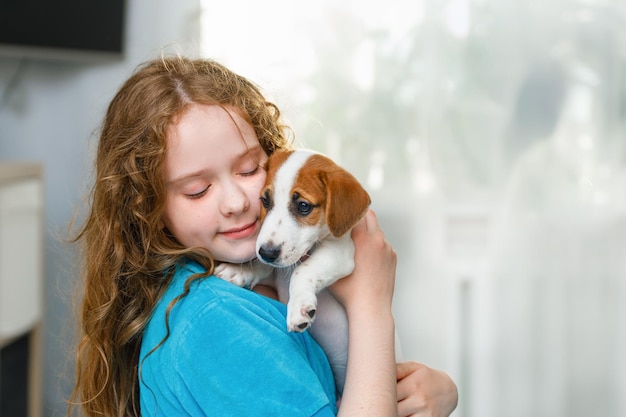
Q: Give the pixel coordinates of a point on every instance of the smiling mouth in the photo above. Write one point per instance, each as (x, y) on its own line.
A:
(240, 232)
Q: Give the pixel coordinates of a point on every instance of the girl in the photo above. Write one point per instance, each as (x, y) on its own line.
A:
(177, 183)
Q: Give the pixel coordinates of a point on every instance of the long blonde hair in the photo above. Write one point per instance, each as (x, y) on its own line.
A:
(125, 252)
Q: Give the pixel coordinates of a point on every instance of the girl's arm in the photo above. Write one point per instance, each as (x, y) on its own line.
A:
(421, 391)
(366, 294)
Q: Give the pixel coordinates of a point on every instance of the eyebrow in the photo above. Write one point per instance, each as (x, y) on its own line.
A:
(187, 176)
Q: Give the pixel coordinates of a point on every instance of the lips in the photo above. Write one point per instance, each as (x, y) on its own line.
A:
(240, 232)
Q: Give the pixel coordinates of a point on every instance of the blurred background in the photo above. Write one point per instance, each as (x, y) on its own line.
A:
(490, 134)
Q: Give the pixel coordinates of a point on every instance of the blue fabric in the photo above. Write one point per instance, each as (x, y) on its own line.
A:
(229, 354)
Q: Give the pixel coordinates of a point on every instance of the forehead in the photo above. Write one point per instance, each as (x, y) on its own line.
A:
(205, 136)
(204, 116)
(210, 124)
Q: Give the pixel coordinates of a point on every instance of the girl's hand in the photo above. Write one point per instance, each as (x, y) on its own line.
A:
(371, 284)
(424, 392)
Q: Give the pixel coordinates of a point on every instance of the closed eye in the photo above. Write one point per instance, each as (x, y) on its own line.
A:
(197, 195)
(251, 172)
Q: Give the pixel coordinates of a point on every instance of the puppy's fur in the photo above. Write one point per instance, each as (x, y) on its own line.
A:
(310, 205)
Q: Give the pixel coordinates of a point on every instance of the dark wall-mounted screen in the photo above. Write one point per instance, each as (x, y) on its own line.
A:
(62, 28)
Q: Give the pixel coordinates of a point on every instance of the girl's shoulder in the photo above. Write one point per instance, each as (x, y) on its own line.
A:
(212, 296)
(210, 305)
(220, 344)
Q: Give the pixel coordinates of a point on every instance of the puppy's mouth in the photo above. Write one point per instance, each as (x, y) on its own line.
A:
(271, 255)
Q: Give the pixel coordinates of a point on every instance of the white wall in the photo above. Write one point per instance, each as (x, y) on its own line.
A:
(51, 115)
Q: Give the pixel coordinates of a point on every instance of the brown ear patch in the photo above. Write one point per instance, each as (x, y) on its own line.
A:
(346, 201)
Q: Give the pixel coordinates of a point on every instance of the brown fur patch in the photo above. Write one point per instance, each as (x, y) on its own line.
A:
(341, 199)
(337, 196)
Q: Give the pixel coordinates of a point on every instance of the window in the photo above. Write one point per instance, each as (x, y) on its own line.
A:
(490, 134)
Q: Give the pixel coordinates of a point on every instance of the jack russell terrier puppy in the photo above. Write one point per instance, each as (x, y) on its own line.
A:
(310, 205)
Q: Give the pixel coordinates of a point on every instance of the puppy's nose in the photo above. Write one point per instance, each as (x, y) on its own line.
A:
(269, 253)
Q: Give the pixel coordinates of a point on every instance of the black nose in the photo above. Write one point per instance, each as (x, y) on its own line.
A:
(269, 253)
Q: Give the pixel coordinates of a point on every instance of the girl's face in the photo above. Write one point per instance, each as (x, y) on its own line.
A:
(214, 176)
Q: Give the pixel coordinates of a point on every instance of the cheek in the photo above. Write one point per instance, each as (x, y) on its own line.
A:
(181, 221)
(174, 223)
(166, 216)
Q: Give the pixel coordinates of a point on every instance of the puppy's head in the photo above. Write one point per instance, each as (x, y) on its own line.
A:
(306, 197)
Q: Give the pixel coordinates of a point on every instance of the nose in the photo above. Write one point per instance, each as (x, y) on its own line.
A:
(234, 199)
(269, 253)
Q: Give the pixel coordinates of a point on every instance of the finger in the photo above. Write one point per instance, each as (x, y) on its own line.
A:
(404, 390)
(404, 369)
(362, 224)
(371, 221)
(406, 409)
(360, 229)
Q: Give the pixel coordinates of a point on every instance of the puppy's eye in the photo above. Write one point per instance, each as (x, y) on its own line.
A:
(299, 206)
(266, 200)
(304, 208)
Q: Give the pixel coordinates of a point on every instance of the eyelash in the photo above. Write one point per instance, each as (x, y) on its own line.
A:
(203, 192)
(198, 195)
(251, 173)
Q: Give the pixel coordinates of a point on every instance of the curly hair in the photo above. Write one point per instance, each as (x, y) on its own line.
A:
(126, 254)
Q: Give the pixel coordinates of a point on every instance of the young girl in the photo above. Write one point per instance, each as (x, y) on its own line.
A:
(177, 183)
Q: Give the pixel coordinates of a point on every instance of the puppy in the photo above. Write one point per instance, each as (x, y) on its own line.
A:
(309, 207)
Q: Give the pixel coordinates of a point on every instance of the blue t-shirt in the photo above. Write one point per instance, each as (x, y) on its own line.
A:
(229, 354)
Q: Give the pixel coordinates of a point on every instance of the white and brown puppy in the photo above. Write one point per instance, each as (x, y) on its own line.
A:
(310, 205)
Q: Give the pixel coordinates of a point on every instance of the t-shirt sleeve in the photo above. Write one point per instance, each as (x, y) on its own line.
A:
(239, 360)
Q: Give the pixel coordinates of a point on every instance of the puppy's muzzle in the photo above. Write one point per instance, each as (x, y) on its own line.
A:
(269, 253)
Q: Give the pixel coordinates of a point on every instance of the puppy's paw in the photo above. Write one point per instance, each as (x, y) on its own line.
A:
(301, 314)
(237, 274)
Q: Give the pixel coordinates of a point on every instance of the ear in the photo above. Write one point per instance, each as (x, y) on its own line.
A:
(347, 201)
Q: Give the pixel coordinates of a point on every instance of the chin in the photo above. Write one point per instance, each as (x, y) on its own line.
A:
(244, 259)
(240, 258)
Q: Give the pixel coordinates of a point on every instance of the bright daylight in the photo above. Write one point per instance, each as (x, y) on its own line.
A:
(488, 134)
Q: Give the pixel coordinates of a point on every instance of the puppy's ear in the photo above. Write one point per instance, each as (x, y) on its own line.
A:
(346, 200)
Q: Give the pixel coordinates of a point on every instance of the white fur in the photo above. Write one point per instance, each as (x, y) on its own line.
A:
(279, 226)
